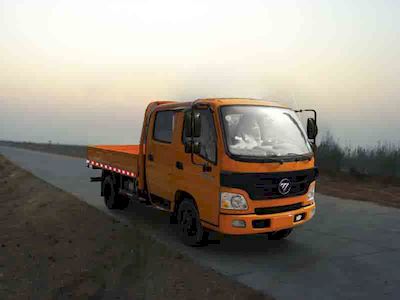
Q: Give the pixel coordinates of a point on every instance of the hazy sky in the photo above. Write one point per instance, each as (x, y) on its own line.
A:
(83, 71)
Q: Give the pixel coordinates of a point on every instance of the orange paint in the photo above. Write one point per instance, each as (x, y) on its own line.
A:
(156, 164)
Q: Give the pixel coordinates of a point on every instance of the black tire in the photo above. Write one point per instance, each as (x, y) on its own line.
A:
(111, 198)
(190, 229)
(123, 202)
(279, 235)
(173, 219)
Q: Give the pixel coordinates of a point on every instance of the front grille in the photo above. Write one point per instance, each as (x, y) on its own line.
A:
(277, 209)
(262, 186)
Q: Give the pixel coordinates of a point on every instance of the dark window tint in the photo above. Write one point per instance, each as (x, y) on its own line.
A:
(163, 126)
(208, 138)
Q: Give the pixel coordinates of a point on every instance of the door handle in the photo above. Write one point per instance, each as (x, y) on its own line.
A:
(179, 165)
(150, 157)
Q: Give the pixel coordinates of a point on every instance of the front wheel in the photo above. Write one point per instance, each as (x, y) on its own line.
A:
(190, 229)
(279, 235)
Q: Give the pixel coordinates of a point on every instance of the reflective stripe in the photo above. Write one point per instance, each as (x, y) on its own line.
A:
(107, 167)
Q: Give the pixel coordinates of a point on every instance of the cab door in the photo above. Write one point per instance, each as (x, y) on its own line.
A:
(192, 177)
(159, 153)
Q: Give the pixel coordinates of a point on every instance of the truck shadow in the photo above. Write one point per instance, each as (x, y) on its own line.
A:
(157, 223)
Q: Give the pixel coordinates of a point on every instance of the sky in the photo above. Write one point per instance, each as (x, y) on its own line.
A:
(82, 72)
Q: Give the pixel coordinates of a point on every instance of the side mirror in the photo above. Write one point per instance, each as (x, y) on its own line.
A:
(196, 147)
(188, 124)
(312, 129)
(196, 125)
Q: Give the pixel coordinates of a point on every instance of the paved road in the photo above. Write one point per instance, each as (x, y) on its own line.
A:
(351, 249)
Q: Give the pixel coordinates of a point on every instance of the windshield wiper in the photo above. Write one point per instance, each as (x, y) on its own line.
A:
(274, 158)
(299, 157)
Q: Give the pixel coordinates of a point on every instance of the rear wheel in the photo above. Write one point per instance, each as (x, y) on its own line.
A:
(111, 198)
(173, 218)
(191, 231)
(123, 202)
(279, 235)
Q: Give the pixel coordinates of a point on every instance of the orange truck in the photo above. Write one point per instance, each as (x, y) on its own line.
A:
(233, 166)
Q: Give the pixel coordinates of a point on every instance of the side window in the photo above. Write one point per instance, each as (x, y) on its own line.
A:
(164, 126)
(208, 138)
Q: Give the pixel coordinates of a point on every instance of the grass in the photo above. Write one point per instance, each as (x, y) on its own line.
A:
(382, 160)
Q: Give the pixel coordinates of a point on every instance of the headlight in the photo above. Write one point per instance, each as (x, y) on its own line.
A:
(311, 192)
(233, 201)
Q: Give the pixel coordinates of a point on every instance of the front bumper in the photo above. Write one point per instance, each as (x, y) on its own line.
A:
(272, 222)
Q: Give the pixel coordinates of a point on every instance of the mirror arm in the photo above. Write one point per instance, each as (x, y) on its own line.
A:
(311, 110)
(192, 153)
(193, 162)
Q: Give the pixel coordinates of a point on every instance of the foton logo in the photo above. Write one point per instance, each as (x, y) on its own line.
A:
(284, 186)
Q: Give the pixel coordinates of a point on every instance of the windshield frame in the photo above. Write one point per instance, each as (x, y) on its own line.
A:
(255, 159)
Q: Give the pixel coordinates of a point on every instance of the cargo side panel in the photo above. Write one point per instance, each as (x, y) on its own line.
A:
(114, 158)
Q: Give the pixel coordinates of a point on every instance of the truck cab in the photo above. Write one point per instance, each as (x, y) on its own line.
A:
(234, 166)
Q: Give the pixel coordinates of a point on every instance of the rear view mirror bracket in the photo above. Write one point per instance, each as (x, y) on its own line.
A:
(312, 127)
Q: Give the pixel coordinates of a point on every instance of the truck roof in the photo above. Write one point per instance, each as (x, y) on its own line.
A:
(219, 102)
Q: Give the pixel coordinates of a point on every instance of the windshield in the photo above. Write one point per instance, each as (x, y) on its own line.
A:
(262, 132)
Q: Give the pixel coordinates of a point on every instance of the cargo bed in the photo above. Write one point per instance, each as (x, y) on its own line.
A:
(122, 159)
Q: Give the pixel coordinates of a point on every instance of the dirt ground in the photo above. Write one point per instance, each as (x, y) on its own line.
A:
(53, 246)
(346, 186)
